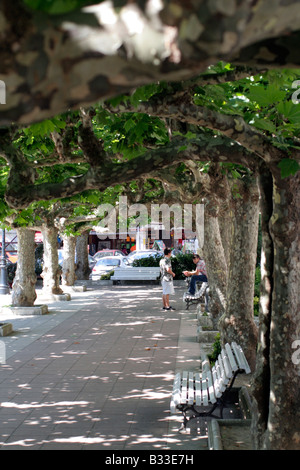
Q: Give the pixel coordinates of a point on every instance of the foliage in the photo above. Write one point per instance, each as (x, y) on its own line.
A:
(216, 350)
(181, 262)
(107, 276)
(256, 306)
(257, 291)
(265, 102)
(149, 262)
(11, 272)
(56, 7)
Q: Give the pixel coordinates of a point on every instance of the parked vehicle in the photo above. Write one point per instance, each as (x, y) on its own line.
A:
(102, 253)
(60, 252)
(135, 255)
(106, 264)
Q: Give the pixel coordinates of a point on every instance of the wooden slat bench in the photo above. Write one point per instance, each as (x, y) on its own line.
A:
(192, 390)
(135, 273)
(200, 294)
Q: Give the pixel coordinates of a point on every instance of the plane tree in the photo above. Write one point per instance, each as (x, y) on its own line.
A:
(56, 55)
(254, 123)
(51, 63)
(258, 114)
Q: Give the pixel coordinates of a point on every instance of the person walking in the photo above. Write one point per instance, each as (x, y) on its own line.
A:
(167, 276)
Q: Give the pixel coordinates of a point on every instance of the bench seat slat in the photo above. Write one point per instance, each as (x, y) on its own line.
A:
(191, 394)
(241, 359)
(231, 357)
(204, 389)
(224, 379)
(222, 385)
(218, 392)
(226, 364)
(184, 387)
(176, 394)
(198, 400)
(211, 391)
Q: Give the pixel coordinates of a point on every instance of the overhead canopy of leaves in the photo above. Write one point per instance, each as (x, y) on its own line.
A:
(263, 101)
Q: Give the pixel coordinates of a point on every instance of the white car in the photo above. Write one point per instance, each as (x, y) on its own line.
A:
(106, 264)
(143, 254)
(105, 253)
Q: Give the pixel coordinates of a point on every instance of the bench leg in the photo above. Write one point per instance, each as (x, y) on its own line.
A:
(198, 414)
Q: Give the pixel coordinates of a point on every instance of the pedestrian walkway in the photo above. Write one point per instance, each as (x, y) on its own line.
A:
(96, 373)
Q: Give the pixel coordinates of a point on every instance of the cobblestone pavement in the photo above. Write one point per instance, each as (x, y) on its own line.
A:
(95, 372)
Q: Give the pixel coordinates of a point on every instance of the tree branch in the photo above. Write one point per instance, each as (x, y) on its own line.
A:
(110, 174)
(181, 108)
(53, 63)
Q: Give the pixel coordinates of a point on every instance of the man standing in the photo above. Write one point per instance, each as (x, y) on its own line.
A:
(167, 278)
(198, 275)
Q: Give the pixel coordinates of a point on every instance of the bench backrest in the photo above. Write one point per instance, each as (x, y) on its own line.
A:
(137, 273)
(140, 269)
(207, 387)
(230, 360)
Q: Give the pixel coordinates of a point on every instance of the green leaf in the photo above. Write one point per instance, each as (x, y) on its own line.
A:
(288, 167)
(55, 7)
(265, 125)
(290, 110)
(266, 96)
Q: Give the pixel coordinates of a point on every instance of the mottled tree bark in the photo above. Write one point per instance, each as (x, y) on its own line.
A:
(53, 63)
(51, 271)
(68, 270)
(261, 379)
(82, 268)
(283, 431)
(276, 387)
(215, 261)
(23, 294)
(237, 324)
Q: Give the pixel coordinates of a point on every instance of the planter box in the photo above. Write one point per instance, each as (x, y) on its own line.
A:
(205, 322)
(35, 310)
(54, 297)
(81, 288)
(5, 329)
(229, 434)
(206, 336)
(233, 434)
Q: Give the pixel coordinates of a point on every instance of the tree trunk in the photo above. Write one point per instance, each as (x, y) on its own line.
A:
(24, 294)
(82, 269)
(283, 431)
(238, 322)
(225, 224)
(216, 265)
(52, 271)
(261, 378)
(68, 271)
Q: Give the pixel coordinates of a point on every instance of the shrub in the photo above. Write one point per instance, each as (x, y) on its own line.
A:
(107, 276)
(11, 272)
(216, 350)
(149, 262)
(256, 291)
(180, 262)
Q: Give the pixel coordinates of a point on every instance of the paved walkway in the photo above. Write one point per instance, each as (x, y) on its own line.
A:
(96, 372)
